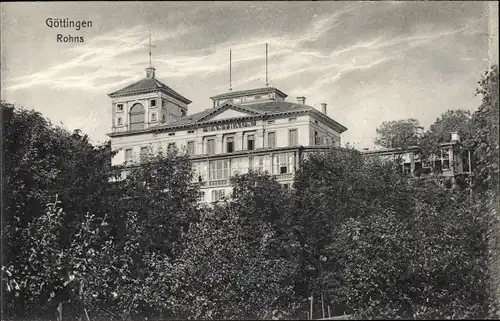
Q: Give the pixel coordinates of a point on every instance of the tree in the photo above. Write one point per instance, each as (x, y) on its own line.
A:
(440, 131)
(485, 145)
(398, 133)
(238, 261)
(42, 160)
(390, 242)
(111, 236)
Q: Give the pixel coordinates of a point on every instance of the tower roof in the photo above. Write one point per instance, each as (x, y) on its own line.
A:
(149, 85)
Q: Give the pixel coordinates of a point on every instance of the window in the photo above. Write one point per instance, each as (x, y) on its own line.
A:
(201, 197)
(183, 113)
(316, 138)
(153, 116)
(229, 145)
(119, 121)
(445, 159)
(171, 134)
(163, 103)
(427, 163)
(128, 155)
(286, 186)
(250, 142)
(163, 118)
(258, 164)
(119, 107)
(144, 151)
(270, 121)
(171, 146)
(219, 169)
(137, 117)
(190, 131)
(283, 163)
(271, 140)
(292, 119)
(152, 103)
(190, 148)
(292, 137)
(210, 146)
(217, 195)
(257, 97)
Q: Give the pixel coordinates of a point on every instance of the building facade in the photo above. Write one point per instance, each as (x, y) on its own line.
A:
(254, 129)
(452, 162)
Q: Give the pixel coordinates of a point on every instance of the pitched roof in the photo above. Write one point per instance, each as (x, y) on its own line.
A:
(269, 108)
(265, 108)
(250, 92)
(149, 84)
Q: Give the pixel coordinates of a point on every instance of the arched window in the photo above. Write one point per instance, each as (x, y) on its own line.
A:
(137, 117)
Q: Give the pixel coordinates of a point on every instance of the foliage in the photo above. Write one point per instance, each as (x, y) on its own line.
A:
(235, 263)
(398, 133)
(485, 139)
(390, 243)
(42, 160)
(440, 131)
(485, 144)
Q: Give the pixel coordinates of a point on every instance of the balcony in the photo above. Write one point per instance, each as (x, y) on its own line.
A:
(283, 176)
(220, 182)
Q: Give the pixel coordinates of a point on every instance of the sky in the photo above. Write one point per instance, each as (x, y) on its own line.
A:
(369, 61)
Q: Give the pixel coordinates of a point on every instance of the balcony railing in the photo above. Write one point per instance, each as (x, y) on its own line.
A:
(283, 176)
(219, 182)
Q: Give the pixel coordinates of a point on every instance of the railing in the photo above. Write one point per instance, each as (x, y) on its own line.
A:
(283, 176)
(219, 182)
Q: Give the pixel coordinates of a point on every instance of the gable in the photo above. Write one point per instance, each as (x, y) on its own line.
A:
(230, 113)
(227, 111)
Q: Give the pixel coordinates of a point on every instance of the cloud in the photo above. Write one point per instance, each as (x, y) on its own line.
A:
(102, 57)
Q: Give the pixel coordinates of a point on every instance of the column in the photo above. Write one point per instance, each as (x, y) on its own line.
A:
(412, 162)
(271, 170)
(451, 157)
(238, 141)
(199, 145)
(259, 139)
(218, 144)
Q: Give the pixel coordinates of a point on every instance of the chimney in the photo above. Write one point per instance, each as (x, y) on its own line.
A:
(150, 72)
(455, 137)
(323, 108)
(301, 100)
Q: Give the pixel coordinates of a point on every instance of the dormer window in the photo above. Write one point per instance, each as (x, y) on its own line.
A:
(152, 103)
(119, 107)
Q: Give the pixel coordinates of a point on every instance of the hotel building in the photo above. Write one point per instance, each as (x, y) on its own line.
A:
(253, 129)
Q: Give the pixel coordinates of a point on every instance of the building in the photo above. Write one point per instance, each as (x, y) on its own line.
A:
(451, 163)
(253, 129)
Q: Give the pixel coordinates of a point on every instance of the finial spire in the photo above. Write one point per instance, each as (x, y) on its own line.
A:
(150, 46)
(150, 71)
(230, 58)
(267, 81)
